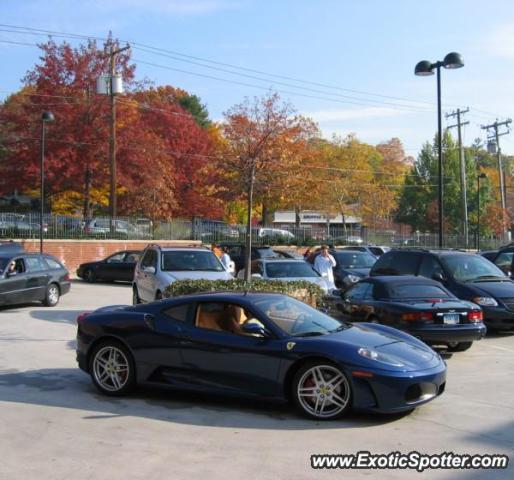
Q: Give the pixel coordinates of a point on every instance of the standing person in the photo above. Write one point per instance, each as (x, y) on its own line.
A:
(216, 249)
(225, 259)
(324, 265)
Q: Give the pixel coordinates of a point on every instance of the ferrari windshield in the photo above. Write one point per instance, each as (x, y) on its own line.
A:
(296, 318)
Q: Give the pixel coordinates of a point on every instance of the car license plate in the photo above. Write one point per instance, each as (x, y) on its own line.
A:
(451, 318)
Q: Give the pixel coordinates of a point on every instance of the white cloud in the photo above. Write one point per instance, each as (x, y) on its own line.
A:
(329, 116)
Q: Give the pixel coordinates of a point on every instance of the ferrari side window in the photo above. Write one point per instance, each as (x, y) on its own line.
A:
(222, 317)
(179, 313)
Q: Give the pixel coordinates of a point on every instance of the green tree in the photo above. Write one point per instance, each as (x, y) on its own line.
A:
(192, 104)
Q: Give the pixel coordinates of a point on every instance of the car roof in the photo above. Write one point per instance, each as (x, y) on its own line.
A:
(279, 260)
(435, 251)
(19, 253)
(402, 279)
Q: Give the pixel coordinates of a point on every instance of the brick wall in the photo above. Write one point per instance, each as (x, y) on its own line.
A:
(74, 252)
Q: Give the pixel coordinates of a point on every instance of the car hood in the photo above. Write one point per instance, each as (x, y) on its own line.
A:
(198, 275)
(410, 353)
(89, 264)
(497, 289)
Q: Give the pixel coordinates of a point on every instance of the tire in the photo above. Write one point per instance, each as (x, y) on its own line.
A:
(135, 296)
(112, 368)
(52, 295)
(311, 391)
(460, 346)
(89, 275)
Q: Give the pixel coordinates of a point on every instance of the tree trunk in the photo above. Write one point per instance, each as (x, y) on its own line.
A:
(248, 253)
(297, 218)
(87, 193)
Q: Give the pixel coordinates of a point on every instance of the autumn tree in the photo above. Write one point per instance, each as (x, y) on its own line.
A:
(162, 151)
(262, 136)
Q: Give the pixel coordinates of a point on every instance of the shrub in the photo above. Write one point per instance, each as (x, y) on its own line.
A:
(301, 290)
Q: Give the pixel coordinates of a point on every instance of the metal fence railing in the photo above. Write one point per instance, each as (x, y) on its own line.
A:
(27, 225)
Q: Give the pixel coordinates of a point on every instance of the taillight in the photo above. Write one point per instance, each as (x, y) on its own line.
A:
(82, 316)
(475, 316)
(67, 277)
(418, 317)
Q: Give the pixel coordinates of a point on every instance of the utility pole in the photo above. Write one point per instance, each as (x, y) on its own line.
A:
(495, 136)
(112, 137)
(463, 186)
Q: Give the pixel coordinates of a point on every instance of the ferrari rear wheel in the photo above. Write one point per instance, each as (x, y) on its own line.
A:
(322, 391)
(112, 368)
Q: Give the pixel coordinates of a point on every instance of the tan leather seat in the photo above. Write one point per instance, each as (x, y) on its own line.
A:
(210, 320)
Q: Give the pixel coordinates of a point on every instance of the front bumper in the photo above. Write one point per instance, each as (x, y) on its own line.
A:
(449, 333)
(498, 317)
(394, 392)
(65, 287)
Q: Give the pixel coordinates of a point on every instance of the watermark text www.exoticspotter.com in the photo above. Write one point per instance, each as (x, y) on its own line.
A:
(412, 461)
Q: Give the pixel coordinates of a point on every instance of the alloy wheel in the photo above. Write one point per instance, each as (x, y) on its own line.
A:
(323, 391)
(111, 368)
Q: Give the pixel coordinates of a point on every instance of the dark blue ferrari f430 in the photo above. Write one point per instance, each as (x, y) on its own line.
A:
(261, 345)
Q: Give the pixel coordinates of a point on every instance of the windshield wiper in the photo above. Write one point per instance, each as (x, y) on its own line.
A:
(487, 277)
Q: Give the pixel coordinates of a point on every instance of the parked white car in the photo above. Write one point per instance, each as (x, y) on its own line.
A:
(285, 269)
(158, 267)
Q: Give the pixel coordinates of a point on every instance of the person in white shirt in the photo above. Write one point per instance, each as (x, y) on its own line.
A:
(225, 259)
(324, 265)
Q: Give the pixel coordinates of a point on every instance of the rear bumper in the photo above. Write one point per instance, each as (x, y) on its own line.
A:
(398, 391)
(446, 333)
(498, 318)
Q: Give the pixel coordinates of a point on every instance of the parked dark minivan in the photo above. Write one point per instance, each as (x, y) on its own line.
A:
(468, 276)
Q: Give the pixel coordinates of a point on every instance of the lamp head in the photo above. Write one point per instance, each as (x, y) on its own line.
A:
(47, 117)
(453, 60)
(424, 68)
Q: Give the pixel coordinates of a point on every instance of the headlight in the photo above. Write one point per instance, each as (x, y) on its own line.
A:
(485, 301)
(353, 278)
(379, 357)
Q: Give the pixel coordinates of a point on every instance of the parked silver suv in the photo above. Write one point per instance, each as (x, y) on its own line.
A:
(158, 267)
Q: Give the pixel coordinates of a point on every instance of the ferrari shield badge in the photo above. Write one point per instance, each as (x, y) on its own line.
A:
(290, 345)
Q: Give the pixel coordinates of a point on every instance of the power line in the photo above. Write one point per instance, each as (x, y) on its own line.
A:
(160, 51)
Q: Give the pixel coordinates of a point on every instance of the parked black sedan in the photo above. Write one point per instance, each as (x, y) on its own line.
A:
(258, 345)
(418, 305)
(119, 266)
(31, 277)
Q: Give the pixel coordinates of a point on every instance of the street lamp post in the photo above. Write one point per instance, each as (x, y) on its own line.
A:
(424, 68)
(480, 175)
(45, 118)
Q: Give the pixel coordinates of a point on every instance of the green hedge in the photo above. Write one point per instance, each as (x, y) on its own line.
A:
(304, 291)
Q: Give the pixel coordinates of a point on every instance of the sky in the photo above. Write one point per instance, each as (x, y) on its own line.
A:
(348, 64)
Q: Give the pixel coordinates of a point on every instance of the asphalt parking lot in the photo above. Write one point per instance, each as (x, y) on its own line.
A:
(54, 425)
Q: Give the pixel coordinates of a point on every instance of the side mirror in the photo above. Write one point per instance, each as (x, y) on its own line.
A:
(150, 270)
(256, 275)
(252, 328)
(438, 277)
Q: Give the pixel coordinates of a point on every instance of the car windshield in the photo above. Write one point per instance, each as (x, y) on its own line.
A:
(182, 261)
(467, 268)
(416, 291)
(289, 270)
(354, 259)
(296, 318)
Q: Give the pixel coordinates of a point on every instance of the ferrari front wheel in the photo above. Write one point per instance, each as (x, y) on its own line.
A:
(322, 391)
